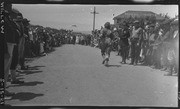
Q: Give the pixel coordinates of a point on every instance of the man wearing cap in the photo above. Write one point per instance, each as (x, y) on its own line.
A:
(135, 42)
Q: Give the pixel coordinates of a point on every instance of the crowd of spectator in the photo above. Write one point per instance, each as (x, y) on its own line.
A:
(154, 44)
(24, 40)
(42, 40)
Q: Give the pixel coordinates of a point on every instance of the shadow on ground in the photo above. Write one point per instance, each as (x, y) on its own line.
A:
(23, 96)
(32, 70)
(34, 67)
(34, 83)
(27, 72)
(50, 51)
(32, 58)
(113, 65)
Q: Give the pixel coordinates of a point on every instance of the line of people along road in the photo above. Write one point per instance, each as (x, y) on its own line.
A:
(153, 45)
(23, 40)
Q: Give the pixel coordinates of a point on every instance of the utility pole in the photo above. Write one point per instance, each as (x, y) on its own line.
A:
(94, 13)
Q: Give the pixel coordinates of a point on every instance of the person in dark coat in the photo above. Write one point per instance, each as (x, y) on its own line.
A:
(74, 39)
(175, 42)
(10, 41)
(135, 42)
(124, 42)
(18, 50)
(173, 50)
(22, 45)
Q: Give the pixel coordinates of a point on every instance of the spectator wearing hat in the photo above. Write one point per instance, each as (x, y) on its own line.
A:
(17, 50)
(165, 26)
(24, 40)
(129, 40)
(144, 45)
(124, 42)
(173, 50)
(151, 38)
(30, 43)
(135, 43)
(24, 25)
(12, 35)
(156, 53)
(175, 42)
(165, 43)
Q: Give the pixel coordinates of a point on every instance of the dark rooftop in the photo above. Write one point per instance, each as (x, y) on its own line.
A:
(138, 12)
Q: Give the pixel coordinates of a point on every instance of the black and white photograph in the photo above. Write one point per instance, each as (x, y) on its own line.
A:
(91, 55)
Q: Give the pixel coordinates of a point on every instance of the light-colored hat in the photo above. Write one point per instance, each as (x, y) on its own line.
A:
(136, 21)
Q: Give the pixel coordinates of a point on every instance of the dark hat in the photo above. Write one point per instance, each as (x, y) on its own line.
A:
(176, 22)
(152, 25)
(125, 24)
(26, 20)
(107, 25)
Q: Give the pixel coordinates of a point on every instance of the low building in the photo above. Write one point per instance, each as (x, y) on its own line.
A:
(136, 14)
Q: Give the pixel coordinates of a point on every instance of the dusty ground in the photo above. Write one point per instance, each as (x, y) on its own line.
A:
(74, 75)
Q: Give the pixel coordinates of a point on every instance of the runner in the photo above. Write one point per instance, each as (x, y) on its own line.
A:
(105, 42)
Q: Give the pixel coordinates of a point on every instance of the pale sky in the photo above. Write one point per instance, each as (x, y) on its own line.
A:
(64, 16)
